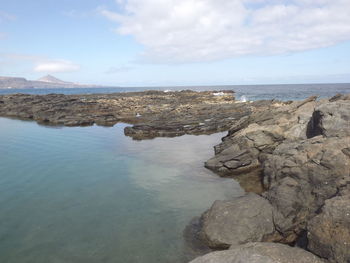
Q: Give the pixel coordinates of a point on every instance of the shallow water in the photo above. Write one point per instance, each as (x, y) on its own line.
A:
(93, 195)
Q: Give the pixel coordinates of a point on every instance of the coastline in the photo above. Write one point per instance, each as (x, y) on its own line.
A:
(300, 151)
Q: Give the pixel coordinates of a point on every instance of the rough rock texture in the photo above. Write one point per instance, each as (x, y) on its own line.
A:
(260, 133)
(331, 119)
(329, 232)
(302, 153)
(153, 113)
(300, 176)
(260, 253)
(244, 219)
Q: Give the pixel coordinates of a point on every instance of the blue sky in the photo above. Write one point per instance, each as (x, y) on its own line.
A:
(183, 42)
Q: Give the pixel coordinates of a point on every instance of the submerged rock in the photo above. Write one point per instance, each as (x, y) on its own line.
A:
(260, 253)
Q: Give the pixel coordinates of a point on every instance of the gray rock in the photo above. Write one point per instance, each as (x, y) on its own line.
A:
(331, 119)
(260, 253)
(300, 176)
(329, 232)
(253, 137)
(244, 219)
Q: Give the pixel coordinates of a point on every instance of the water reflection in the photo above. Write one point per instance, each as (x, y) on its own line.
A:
(93, 195)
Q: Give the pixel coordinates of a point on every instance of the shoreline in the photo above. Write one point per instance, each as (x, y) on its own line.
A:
(152, 113)
(301, 153)
(293, 156)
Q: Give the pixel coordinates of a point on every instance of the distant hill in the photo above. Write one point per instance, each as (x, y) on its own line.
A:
(46, 82)
(52, 79)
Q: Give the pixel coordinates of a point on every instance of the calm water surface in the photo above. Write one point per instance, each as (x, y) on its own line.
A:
(93, 195)
(251, 92)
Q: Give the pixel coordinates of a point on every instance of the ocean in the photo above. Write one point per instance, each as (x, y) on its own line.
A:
(90, 194)
(251, 92)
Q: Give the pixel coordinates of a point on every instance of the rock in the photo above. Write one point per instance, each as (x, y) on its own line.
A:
(258, 134)
(329, 232)
(330, 119)
(340, 97)
(244, 219)
(152, 113)
(300, 176)
(260, 253)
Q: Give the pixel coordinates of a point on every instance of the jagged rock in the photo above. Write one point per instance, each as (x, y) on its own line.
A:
(302, 152)
(329, 232)
(244, 219)
(260, 253)
(153, 113)
(330, 119)
(340, 97)
(258, 134)
(300, 176)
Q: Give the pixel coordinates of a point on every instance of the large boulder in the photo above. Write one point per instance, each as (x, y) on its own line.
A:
(329, 232)
(300, 176)
(260, 253)
(244, 219)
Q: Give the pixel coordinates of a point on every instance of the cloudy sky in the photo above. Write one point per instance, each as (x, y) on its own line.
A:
(176, 42)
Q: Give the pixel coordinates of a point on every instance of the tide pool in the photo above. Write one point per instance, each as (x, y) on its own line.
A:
(90, 194)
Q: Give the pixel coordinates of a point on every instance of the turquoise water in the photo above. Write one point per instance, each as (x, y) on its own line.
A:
(251, 92)
(93, 195)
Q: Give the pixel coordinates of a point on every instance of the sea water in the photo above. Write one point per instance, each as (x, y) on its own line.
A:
(251, 92)
(90, 194)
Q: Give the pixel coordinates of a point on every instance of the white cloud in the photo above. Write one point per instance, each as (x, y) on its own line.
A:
(56, 66)
(204, 30)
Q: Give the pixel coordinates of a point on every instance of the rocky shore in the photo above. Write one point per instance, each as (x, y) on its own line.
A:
(292, 158)
(152, 113)
(301, 153)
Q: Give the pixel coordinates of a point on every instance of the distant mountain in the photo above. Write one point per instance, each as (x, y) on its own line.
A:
(52, 79)
(46, 82)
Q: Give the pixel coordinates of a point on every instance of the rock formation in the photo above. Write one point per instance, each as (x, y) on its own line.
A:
(153, 113)
(301, 152)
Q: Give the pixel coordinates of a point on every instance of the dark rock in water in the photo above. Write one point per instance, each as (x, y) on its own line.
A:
(193, 236)
(302, 152)
(260, 253)
(153, 113)
(244, 219)
(329, 232)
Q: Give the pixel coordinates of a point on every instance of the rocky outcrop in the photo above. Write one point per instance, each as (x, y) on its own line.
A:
(300, 176)
(259, 134)
(302, 153)
(260, 253)
(330, 119)
(152, 113)
(244, 219)
(329, 232)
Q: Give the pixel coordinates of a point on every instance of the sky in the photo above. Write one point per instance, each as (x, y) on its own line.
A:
(176, 42)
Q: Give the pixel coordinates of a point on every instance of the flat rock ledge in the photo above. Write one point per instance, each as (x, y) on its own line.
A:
(301, 151)
(152, 113)
(259, 253)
